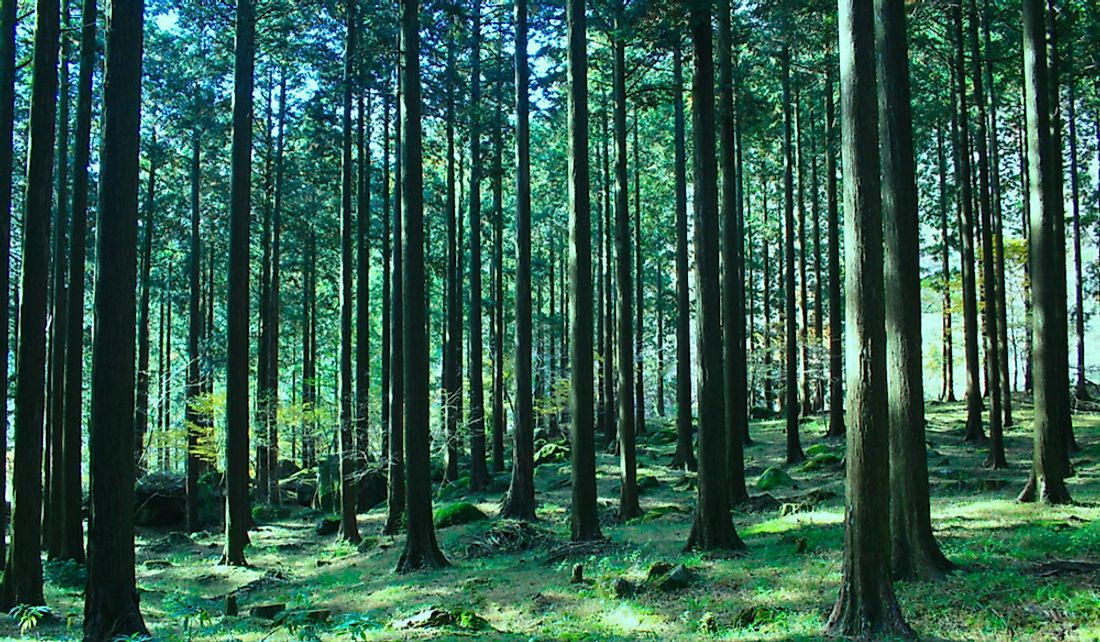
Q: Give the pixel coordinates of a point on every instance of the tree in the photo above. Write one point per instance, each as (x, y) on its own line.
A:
(685, 453)
(479, 473)
(585, 516)
(238, 515)
(915, 551)
(7, 124)
(836, 357)
(519, 503)
(1049, 333)
(421, 549)
(794, 446)
(628, 487)
(396, 491)
(452, 353)
(349, 529)
(711, 528)
(866, 606)
(23, 571)
(111, 599)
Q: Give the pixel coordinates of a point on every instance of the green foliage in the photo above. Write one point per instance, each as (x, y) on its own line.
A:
(28, 616)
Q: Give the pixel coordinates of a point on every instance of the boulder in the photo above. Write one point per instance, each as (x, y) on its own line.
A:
(677, 578)
(457, 513)
(160, 500)
(622, 587)
(267, 611)
(773, 478)
(329, 525)
(371, 487)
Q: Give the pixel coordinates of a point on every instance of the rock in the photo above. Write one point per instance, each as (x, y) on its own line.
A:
(160, 499)
(823, 449)
(288, 468)
(328, 526)
(678, 578)
(372, 488)
(823, 460)
(551, 453)
(155, 564)
(322, 563)
(328, 484)
(773, 478)
(318, 615)
(267, 611)
(755, 615)
(708, 624)
(763, 503)
(622, 587)
(647, 482)
(986, 485)
(453, 490)
(231, 609)
(435, 617)
(458, 513)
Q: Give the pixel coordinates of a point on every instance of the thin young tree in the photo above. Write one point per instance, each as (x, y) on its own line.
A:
(585, 522)
(866, 606)
(111, 599)
(479, 472)
(685, 451)
(22, 582)
(421, 549)
(792, 408)
(238, 515)
(7, 125)
(836, 357)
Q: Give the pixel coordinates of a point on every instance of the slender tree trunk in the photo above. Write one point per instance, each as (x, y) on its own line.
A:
(387, 258)
(1046, 246)
(362, 295)
(238, 515)
(275, 307)
(498, 276)
(72, 542)
(22, 582)
(803, 289)
(1080, 389)
(585, 522)
(639, 301)
(195, 417)
(111, 598)
(866, 607)
(794, 445)
(974, 430)
(1025, 212)
(397, 491)
(141, 413)
(7, 125)
(452, 358)
(996, 458)
(479, 472)
(349, 528)
(769, 385)
(947, 393)
(685, 452)
(916, 553)
(732, 310)
(836, 356)
(421, 549)
(519, 503)
(628, 488)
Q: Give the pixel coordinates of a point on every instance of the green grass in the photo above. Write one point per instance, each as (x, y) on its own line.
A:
(1009, 586)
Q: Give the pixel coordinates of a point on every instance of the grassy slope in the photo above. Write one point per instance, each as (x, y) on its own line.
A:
(781, 589)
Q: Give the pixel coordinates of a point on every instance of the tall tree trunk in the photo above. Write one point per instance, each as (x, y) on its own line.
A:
(794, 445)
(362, 294)
(974, 430)
(452, 358)
(685, 452)
(349, 528)
(479, 472)
(866, 606)
(1025, 212)
(141, 412)
(711, 526)
(387, 258)
(803, 289)
(7, 125)
(273, 296)
(628, 487)
(194, 416)
(916, 553)
(639, 300)
(421, 549)
(238, 515)
(585, 522)
(397, 491)
(111, 598)
(732, 312)
(1046, 247)
(947, 393)
(836, 356)
(1080, 389)
(519, 503)
(769, 385)
(498, 275)
(72, 542)
(23, 571)
(996, 458)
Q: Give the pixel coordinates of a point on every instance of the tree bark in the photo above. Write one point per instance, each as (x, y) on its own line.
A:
(23, 571)
(866, 607)
(711, 527)
(685, 451)
(916, 554)
(836, 357)
(7, 125)
(111, 597)
(479, 472)
(1049, 340)
(421, 549)
(519, 503)
(794, 445)
(238, 516)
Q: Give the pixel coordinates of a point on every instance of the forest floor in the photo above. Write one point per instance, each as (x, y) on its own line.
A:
(1027, 572)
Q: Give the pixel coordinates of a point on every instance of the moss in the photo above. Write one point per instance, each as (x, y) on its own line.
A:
(458, 513)
(773, 478)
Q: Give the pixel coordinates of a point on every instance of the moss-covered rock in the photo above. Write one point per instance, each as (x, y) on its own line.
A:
(458, 513)
(552, 453)
(773, 478)
(820, 461)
